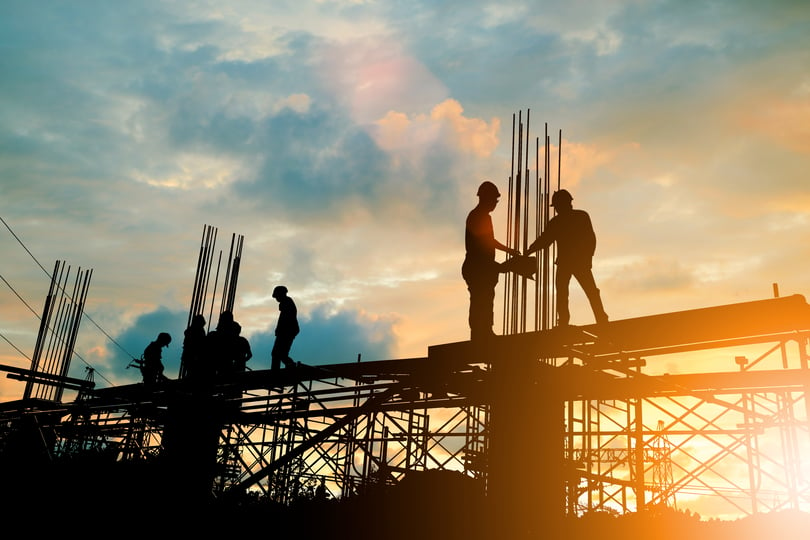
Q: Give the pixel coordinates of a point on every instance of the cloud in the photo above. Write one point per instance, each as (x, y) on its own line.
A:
(445, 124)
(320, 164)
(193, 171)
(652, 275)
(582, 160)
(312, 164)
(783, 120)
(373, 75)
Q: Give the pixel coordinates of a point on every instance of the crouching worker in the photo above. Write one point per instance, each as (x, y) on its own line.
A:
(152, 364)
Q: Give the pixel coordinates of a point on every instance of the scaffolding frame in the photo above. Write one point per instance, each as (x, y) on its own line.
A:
(631, 441)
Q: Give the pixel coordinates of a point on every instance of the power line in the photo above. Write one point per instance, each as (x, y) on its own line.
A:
(18, 295)
(23, 245)
(15, 347)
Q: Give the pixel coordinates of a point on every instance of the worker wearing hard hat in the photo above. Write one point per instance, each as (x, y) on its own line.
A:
(572, 230)
(286, 329)
(480, 271)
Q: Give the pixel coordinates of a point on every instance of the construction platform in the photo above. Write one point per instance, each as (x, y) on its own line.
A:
(567, 420)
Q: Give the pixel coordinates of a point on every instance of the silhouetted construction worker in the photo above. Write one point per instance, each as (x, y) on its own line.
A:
(220, 346)
(194, 347)
(480, 271)
(286, 329)
(572, 230)
(242, 352)
(152, 365)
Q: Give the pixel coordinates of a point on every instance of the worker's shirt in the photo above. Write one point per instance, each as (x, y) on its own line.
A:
(152, 354)
(287, 325)
(479, 236)
(576, 241)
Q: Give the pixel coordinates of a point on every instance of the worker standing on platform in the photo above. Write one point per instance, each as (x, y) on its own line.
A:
(221, 347)
(480, 271)
(194, 347)
(573, 232)
(286, 329)
(243, 352)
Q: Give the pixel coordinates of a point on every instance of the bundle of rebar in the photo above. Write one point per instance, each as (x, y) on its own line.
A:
(58, 329)
(200, 292)
(518, 312)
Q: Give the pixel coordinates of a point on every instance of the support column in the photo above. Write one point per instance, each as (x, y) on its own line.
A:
(526, 462)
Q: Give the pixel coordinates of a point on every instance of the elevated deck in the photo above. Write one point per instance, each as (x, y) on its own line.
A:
(604, 346)
(758, 321)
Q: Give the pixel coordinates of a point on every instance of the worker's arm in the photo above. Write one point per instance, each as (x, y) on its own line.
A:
(510, 251)
(547, 237)
(542, 242)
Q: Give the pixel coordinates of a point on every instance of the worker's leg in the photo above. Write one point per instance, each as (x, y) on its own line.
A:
(482, 298)
(562, 281)
(278, 354)
(588, 284)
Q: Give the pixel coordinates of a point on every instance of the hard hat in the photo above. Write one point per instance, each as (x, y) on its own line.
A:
(489, 189)
(279, 290)
(561, 197)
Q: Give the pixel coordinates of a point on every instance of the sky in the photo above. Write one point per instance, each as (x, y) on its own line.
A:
(345, 141)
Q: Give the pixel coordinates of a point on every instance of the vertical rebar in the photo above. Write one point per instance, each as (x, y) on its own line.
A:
(509, 240)
(550, 254)
(59, 325)
(513, 314)
(525, 210)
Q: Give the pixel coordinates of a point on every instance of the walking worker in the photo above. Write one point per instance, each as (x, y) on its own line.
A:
(573, 232)
(286, 329)
(480, 271)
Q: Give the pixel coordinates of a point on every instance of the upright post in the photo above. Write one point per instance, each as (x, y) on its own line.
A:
(526, 459)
